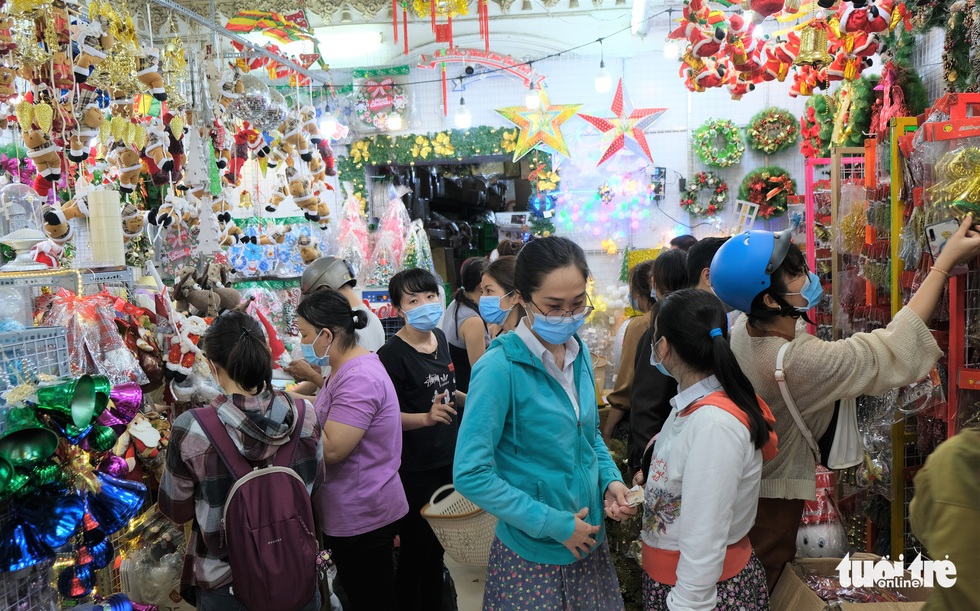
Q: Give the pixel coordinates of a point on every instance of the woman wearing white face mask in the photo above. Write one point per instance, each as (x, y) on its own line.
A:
(358, 409)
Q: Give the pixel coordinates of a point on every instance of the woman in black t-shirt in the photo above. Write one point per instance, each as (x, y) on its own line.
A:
(421, 369)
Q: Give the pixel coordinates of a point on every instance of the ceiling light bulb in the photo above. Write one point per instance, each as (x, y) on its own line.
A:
(603, 80)
(672, 50)
(463, 119)
(532, 100)
(328, 123)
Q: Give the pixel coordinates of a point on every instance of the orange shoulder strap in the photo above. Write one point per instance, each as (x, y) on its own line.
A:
(721, 400)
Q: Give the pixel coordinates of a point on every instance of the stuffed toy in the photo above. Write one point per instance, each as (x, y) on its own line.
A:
(310, 126)
(323, 211)
(7, 88)
(231, 235)
(277, 154)
(765, 8)
(56, 224)
(89, 122)
(143, 446)
(48, 253)
(292, 135)
(279, 194)
(133, 221)
(865, 44)
(275, 235)
(302, 194)
(6, 35)
(821, 533)
(222, 208)
(156, 153)
(168, 213)
(318, 169)
(308, 250)
(231, 87)
(148, 73)
(94, 40)
(184, 347)
(44, 153)
(327, 154)
(740, 87)
(128, 166)
(787, 50)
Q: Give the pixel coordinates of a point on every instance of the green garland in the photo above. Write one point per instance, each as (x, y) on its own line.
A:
(770, 187)
(709, 154)
(772, 130)
(449, 145)
(957, 70)
(817, 126)
(856, 100)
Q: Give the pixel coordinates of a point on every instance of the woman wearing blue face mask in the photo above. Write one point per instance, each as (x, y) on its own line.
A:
(421, 369)
(362, 499)
(530, 452)
(765, 275)
(499, 305)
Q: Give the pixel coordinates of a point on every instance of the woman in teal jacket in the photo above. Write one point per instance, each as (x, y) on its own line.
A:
(529, 450)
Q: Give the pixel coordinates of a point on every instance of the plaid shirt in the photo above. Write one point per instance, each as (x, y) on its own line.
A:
(196, 482)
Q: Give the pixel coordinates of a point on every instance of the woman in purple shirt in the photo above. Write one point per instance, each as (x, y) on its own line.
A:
(362, 497)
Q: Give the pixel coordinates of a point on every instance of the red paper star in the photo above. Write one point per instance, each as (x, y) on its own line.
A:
(626, 128)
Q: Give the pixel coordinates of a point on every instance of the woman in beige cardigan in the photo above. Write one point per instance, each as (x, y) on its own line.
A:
(764, 275)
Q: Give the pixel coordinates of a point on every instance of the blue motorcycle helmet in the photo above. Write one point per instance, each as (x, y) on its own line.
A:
(743, 266)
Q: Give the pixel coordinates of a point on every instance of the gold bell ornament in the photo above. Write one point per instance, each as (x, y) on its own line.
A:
(245, 200)
(813, 46)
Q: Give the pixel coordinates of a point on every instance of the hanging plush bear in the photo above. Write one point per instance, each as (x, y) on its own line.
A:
(292, 134)
(94, 40)
(7, 88)
(231, 87)
(133, 222)
(148, 73)
(302, 194)
(89, 118)
(6, 35)
(167, 214)
(128, 166)
(56, 224)
(47, 160)
(310, 126)
(156, 153)
(279, 194)
(276, 235)
(308, 250)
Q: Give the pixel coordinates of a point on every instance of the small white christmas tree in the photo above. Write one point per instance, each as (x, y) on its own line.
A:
(208, 238)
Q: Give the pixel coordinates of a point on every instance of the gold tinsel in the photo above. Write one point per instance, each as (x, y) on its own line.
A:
(177, 127)
(119, 128)
(139, 136)
(43, 116)
(444, 8)
(105, 132)
(25, 114)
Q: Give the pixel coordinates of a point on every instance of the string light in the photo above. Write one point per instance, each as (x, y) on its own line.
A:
(603, 80)
(463, 119)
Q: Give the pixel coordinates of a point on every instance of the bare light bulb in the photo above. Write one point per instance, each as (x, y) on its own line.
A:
(603, 80)
(462, 119)
(672, 50)
(394, 123)
(531, 99)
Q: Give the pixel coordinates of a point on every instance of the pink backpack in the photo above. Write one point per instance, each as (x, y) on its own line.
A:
(268, 523)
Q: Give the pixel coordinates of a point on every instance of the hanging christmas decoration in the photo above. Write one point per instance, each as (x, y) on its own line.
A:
(626, 127)
(770, 187)
(716, 188)
(772, 130)
(540, 126)
(706, 147)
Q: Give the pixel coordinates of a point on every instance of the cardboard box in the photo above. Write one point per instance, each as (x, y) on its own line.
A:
(792, 593)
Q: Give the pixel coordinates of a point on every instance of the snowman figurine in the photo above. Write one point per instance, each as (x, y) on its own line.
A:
(821, 533)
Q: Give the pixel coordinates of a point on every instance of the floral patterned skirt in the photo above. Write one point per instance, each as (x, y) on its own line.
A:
(514, 584)
(746, 591)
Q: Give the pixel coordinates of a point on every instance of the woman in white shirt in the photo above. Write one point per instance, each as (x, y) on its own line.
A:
(702, 483)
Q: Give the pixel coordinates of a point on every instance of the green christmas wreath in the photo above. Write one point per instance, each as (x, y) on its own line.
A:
(717, 195)
(769, 187)
(772, 130)
(705, 138)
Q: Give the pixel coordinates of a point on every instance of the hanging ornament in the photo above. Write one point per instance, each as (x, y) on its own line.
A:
(540, 126)
(814, 45)
(625, 129)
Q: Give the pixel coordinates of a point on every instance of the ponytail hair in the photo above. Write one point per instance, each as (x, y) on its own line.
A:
(471, 275)
(236, 343)
(696, 326)
(328, 309)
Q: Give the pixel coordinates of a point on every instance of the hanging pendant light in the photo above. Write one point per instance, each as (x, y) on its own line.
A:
(603, 80)
(462, 119)
(532, 100)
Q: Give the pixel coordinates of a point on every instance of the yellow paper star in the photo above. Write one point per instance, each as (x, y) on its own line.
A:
(541, 126)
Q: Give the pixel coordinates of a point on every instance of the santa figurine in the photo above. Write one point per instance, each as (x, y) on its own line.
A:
(821, 533)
